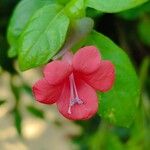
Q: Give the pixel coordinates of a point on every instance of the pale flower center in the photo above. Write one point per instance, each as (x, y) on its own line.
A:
(74, 97)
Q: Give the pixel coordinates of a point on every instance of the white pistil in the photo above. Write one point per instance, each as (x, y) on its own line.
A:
(74, 97)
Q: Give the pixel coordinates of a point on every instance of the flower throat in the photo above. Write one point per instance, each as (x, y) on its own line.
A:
(74, 97)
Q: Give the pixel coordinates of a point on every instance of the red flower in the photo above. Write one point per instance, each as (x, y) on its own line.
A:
(72, 82)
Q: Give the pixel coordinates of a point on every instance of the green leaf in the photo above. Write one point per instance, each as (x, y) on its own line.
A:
(2, 102)
(75, 9)
(113, 5)
(18, 121)
(93, 13)
(15, 90)
(24, 10)
(43, 36)
(12, 52)
(144, 31)
(105, 139)
(63, 2)
(35, 111)
(136, 12)
(119, 105)
(26, 88)
(5, 62)
(144, 71)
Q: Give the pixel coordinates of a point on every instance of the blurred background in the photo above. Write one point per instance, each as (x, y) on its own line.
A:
(27, 125)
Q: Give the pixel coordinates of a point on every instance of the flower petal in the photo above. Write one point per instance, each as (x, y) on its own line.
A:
(103, 78)
(56, 71)
(86, 60)
(46, 93)
(79, 111)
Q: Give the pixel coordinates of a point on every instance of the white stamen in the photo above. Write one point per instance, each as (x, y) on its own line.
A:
(74, 97)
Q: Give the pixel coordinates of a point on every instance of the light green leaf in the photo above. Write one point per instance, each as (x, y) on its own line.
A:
(24, 10)
(118, 105)
(75, 9)
(43, 36)
(113, 5)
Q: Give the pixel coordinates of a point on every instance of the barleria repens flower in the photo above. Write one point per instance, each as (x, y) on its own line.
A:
(72, 83)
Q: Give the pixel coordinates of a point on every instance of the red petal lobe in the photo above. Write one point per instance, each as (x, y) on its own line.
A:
(86, 60)
(56, 71)
(46, 93)
(103, 78)
(79, 111)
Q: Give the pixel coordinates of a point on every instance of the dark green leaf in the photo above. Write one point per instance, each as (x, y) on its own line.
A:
(93, 13)
(18, 121)
(2, 102)
(35, 111)
(135, 13)
(63, 2)
(5, 62)
(144, 31)
(15, 91)
(113, 5)
(144, 71)
(24, 10)
(27, 89)
(119, 105)
(43, 36)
